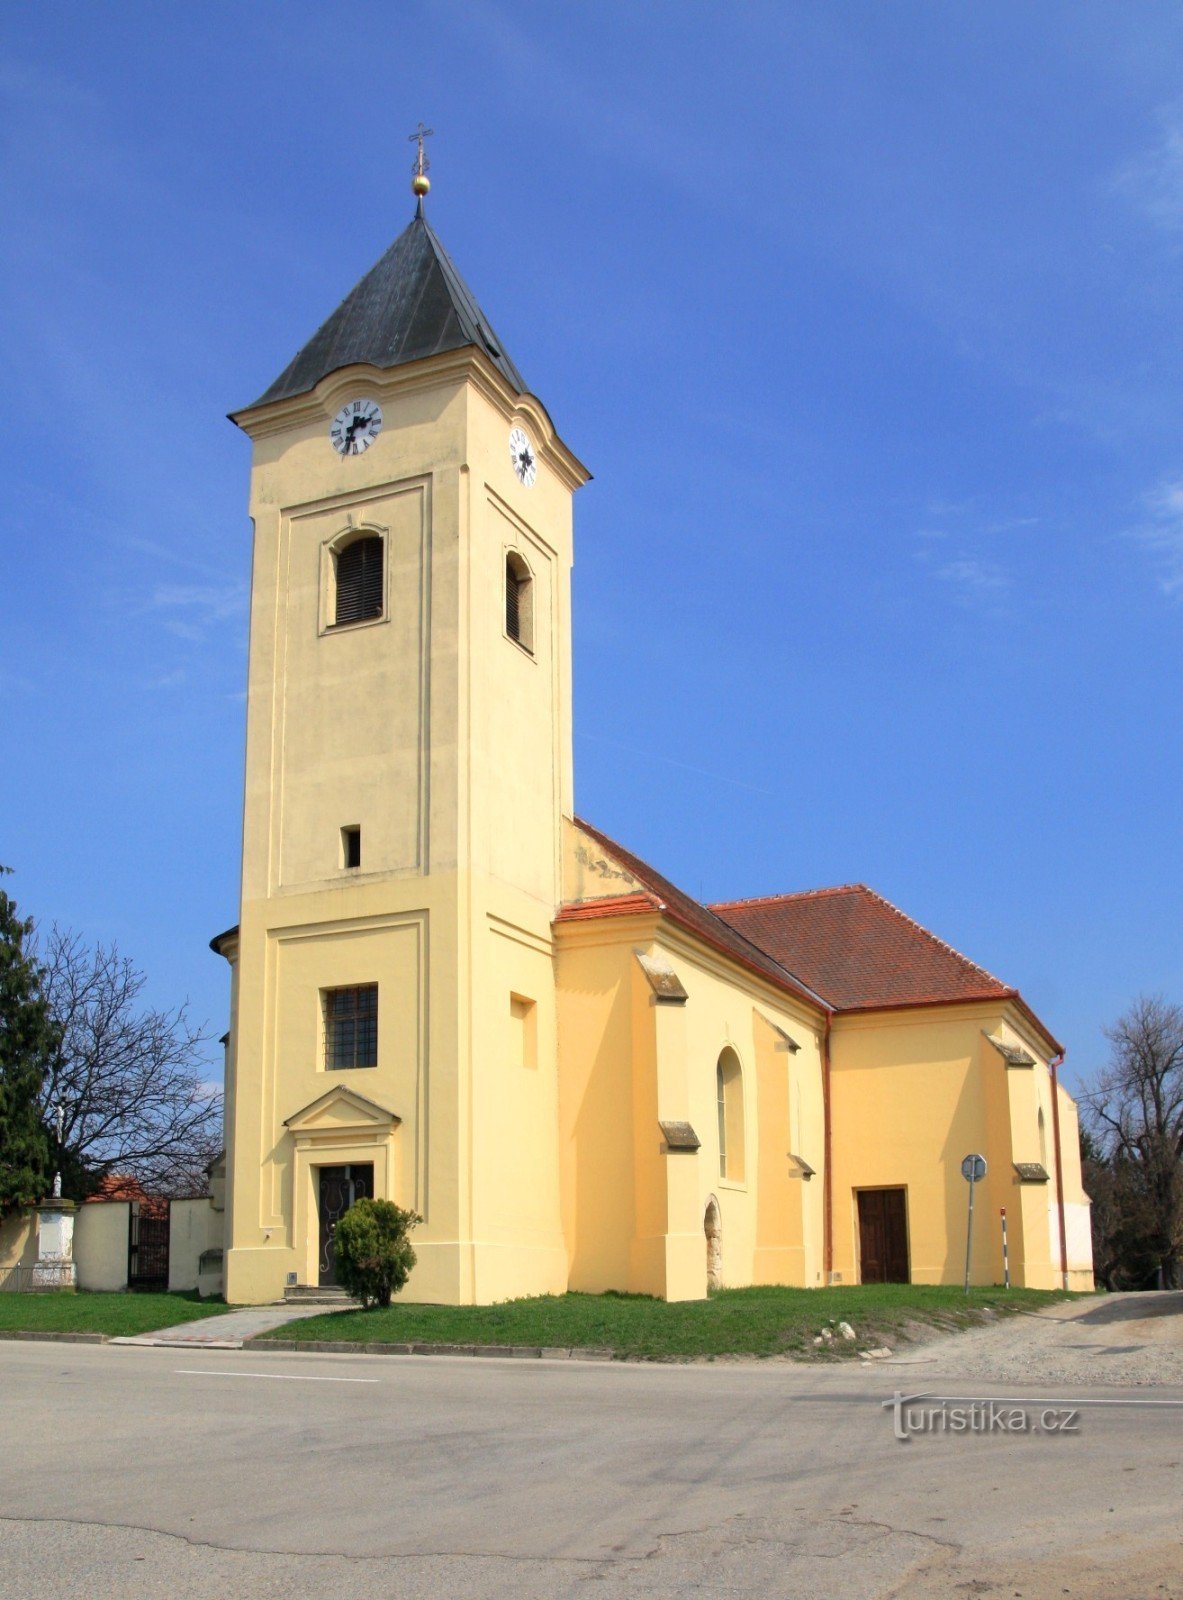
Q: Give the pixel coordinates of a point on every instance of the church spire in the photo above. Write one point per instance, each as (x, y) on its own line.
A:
(412, 303)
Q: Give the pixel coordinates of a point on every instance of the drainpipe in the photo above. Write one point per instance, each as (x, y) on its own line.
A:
(828, 1192)
(1056, 1062)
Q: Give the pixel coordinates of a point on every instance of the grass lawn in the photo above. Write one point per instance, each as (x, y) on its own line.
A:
(112, 1314)
(754, 1322)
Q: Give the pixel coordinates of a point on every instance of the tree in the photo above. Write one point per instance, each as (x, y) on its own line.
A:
(129, 1078)
(1136, 1128)
(28, 1039)
(374, 1254)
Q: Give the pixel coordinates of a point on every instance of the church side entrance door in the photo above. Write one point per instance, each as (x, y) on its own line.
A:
(339, 1188)
(883, 1236)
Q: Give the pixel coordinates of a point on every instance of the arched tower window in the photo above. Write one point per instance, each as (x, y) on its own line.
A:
(359, 580)
(519, 601)
(729, 1097)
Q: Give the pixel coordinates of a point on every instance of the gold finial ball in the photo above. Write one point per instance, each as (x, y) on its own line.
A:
(420, 184)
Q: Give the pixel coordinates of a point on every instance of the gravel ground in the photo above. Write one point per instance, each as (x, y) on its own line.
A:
(1129, 1340)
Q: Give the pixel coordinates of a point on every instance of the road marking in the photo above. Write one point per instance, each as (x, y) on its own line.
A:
(282, 1377)
(1024, 1400)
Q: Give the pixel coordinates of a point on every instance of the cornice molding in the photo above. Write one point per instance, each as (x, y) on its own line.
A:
(453, 366)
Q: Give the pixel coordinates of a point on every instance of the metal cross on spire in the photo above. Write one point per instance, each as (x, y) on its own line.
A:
(420, 182)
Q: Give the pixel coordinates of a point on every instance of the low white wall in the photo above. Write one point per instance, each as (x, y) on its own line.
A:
(194, 1226)
(100, 1244)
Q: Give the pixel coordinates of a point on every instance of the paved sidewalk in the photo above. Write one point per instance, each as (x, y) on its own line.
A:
(227, 1332)
(1131, 1340)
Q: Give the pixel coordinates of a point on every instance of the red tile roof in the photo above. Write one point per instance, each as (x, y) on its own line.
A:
(844, 949)
(122, 1186)
(862, 953)
(612, 905)
(663, 896)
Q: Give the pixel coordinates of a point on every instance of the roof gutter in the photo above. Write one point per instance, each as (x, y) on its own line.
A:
(1056, 1062)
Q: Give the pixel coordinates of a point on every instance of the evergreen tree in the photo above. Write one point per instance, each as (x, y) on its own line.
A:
(28, 1039)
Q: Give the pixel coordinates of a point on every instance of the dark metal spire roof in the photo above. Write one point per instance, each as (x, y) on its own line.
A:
(412, 303)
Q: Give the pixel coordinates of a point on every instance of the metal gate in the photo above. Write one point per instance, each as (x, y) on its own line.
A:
(147, 1248)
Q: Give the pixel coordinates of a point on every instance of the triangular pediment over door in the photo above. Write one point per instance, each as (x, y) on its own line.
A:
(342, 1110)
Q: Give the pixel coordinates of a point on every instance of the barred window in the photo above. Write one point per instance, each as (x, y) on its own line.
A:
(359, 580)
(351, 1027)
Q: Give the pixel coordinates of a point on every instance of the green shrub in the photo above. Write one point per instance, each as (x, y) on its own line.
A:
(374, 1254)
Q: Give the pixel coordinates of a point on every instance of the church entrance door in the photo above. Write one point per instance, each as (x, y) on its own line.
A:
(883, 1236)
(339, 1188)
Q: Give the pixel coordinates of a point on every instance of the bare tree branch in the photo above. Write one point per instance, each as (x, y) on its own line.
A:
(1135, 1119)
(130, 1078)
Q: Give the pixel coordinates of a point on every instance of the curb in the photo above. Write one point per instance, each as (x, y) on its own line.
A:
(347, 1347)
(54, 1338)
(150, 1341)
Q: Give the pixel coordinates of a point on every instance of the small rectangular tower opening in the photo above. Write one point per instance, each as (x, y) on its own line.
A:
(523, 1020)
(351, 846)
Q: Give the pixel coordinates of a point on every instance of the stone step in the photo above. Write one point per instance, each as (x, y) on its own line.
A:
(313, 1294)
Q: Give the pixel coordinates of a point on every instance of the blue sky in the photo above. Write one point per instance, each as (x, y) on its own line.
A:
(866, 319)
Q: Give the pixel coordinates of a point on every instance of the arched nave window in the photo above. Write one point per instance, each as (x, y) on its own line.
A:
(729, 1096)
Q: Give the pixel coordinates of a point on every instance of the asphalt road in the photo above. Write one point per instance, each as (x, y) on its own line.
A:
(142, 1473)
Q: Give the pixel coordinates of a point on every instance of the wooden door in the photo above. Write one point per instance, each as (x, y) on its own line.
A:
(883, 1236)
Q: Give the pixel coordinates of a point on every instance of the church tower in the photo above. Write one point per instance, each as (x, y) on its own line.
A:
(408, 770)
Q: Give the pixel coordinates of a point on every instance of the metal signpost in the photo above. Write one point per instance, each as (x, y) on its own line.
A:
(973, 1170)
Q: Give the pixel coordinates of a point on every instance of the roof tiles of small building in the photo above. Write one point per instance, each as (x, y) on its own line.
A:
(860, 951)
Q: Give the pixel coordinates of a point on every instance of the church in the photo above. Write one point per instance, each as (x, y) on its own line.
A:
(450, 991)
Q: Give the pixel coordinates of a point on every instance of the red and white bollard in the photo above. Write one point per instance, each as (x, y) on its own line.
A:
(1005, 1256)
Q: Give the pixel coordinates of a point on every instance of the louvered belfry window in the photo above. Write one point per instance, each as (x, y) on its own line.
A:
(359, 580)
(351, 1027)
(513, 612)
(519, 602)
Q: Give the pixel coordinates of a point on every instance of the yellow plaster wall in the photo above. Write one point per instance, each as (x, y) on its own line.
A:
(913, 1093)
(650, 1219)
(18, 1244)
(788, 1113)
(449, 745)
(516, 1228)
(594, 1009)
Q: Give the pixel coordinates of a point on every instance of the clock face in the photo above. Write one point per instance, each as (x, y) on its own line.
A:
(521, 453)
(355, 427)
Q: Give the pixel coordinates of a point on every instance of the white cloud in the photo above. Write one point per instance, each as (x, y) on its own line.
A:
(1153, 181)
(1162, 534)
(190, 610)
(168, 680)
(969, 579)
(975, 581)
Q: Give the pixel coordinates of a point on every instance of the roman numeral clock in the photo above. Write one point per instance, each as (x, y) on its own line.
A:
(355, 427)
